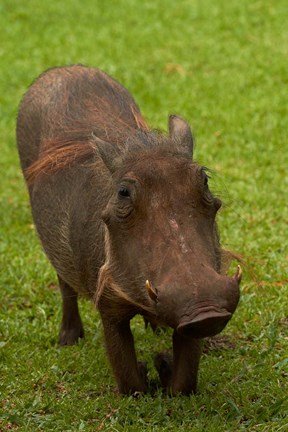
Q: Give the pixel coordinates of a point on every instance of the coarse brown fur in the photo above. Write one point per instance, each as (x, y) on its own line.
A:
(126, 218)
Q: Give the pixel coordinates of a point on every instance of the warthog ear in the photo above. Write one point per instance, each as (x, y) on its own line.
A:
(108, 152)
(180, 132)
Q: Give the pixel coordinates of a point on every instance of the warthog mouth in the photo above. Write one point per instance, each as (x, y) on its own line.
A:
(207, 322)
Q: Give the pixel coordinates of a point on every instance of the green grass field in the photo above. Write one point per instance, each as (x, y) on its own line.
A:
(223, 66)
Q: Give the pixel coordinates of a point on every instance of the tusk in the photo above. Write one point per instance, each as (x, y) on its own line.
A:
(97, 140)
(238, 274)
(151, 292)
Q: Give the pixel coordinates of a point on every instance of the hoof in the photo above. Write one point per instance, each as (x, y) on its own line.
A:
(70, 336)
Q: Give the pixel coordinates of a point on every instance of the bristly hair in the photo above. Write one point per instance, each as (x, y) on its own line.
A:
(64, 152)
(58, 155)
(76, 146)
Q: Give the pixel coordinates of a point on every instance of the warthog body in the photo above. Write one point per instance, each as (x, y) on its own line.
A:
(126, 218)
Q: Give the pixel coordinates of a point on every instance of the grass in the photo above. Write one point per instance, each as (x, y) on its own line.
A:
(223, 66)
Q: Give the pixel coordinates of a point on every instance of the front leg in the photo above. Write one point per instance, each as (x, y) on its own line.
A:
(130, 375)
(186, 358)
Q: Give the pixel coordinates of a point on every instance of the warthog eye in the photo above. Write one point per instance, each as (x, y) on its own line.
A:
(123, 192)
(206, 178)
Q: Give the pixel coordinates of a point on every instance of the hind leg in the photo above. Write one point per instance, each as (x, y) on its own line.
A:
(71, 326)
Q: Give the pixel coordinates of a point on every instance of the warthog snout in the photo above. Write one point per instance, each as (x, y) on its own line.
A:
(204, 307)
(206, 323)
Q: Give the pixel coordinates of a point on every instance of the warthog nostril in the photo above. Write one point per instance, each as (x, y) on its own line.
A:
(206, 323)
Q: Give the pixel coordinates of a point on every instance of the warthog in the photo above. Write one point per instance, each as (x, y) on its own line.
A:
(126, 218)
